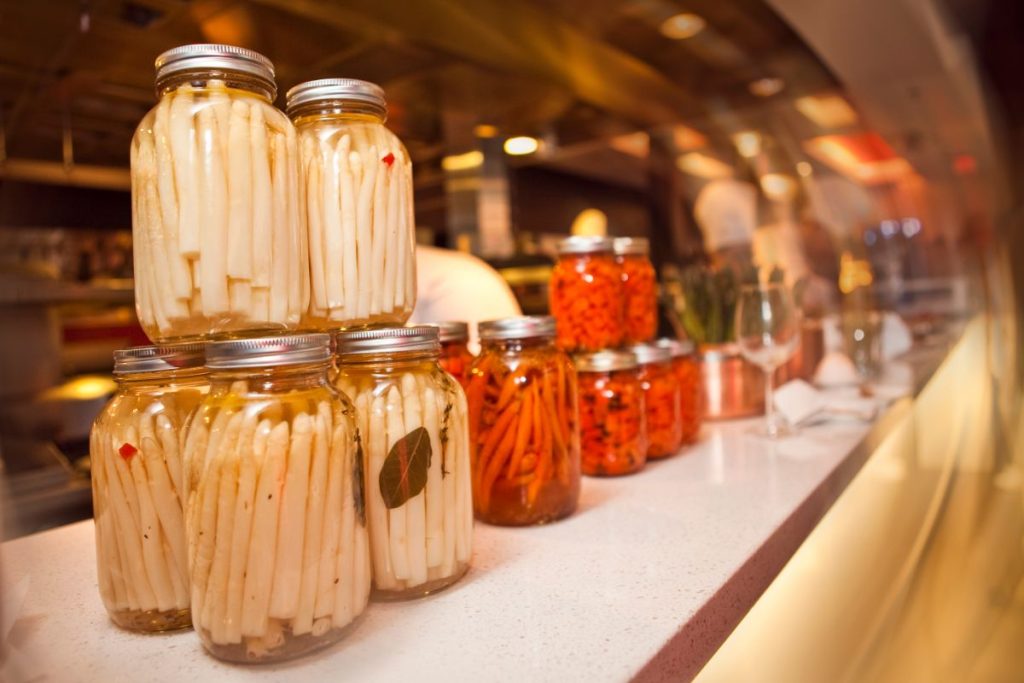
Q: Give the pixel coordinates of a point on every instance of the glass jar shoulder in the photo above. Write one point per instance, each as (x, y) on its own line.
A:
(361, 134)
(183, 105)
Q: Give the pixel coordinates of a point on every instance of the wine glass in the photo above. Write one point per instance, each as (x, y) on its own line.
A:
(768, 333)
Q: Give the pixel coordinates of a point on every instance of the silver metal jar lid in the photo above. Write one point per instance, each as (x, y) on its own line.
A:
(331, 89)
(452, 331)
(677, 347)
(159, 358)
(578, 244)
(650, 353)
(519, 327)
(639, 246)
(388, 340)
(215, 57)
(263, 352)
(604, 361)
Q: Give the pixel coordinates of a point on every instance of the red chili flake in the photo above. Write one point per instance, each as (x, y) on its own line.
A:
(389, 159)
(127, 451)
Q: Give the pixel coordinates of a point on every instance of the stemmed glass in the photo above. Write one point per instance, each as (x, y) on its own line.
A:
(768, 333)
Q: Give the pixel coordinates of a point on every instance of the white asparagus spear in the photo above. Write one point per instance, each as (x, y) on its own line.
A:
(406, 236)
(109, 562)
(410, 231)
(284, 599)
(240, 192)
(398, 542)
(251, 448)
(334, 158)
(181, 276)
(262, 196)
(158, 248)
(282, 258)
(415, 507)
(364, 226)
(263, 544)
(331, 571)
(450, 510)
(213, 213)
(143, 302)
(144, 256)
(166, 504)
(313, 543)
(130, 492)
(314, 212)
(433, 410)
(213, 585)
(362, 569)
(240, 299)
(464, 510)
(298, 281)
(179, 582)
(261, 303)
(220, 103)
(185, 153)
(128, 531)
(341, 599)
(348, 222)
(374, 408)
(378, 231)
(172, 455)
(391, 241)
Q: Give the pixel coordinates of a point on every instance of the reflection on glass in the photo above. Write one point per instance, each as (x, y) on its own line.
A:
(768, 333)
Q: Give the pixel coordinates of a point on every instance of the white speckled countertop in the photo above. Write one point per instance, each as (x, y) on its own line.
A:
(645, 581)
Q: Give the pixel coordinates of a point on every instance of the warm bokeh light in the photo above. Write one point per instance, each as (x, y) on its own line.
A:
(766, 87)
(864, 158)
(462, 162)
(634, 144)
(521, 144)
(485, 130)
(703, 166)
(827, 111)
(804, 169)
(682, 26)
(590, 223)
(778, 186)
(84, 388)
(748, 143)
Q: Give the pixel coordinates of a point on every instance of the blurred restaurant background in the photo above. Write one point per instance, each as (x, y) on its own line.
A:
(869, 151)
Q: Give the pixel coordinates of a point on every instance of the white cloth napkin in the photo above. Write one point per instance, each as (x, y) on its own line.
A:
(798, 402)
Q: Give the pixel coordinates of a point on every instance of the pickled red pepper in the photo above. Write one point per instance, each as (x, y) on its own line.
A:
(639, 292)
(612, 430)
(586, 295)
(661, 400)
(523, 430)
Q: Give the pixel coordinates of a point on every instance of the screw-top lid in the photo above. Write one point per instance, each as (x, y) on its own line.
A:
(650, 353)
(639, 246)
(520, 327)
(578, 244)
(452, 331)
(336, 89)
(677, 347)
(160, 358)
(214, 57)
(388, 340)
(266, 352)
(604, 361)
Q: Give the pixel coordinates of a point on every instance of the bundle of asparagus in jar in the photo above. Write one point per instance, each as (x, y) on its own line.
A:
(357, 198)
(415, 436)
(138, 488)
(278, 551)
(219, 237)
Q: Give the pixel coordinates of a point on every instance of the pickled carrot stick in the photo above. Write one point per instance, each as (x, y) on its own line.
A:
(526, 426)
(497, 459)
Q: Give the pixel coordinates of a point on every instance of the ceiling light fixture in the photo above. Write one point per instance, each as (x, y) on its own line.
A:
(766, 87)
(682, 26)
(520, 145)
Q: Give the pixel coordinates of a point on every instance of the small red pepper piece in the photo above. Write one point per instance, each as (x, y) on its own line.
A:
(127, 451)
(388, 159)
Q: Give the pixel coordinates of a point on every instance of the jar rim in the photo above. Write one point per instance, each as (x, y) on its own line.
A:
(585, 244)
(604, 361)
(516, 327)
(325, 90)
(677, 347)
(214, 57)
(263, 352)
(158, 358)
(647, 354)
(451, 331)
(387, 340)
(632, 246)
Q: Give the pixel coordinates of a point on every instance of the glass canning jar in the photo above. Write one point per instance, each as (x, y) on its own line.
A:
(414, 432)
(661, 400)
(691, 387)
(279, 555)
(218, 238)
(455, 354)
(612, 422)
(586, 295)
(524, 424)
(137, 486)
(639, 289)
(357, 198)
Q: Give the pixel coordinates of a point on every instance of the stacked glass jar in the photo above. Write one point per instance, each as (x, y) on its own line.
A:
(524, 424)
(455, 354)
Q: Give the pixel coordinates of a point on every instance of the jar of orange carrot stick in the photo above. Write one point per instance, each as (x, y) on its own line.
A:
(523, 424)
(691, 388)
(455, 355)
(639, 289)
(612, 429)
(586, 295)
(661, 400)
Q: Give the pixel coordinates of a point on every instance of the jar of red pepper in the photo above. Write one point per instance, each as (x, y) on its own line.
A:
(455, 355)
(661, 400)
(586, 295)
(639, 289)
(612, 429)
(691, 394)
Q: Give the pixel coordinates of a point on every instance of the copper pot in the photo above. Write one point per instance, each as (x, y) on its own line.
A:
(733, 386)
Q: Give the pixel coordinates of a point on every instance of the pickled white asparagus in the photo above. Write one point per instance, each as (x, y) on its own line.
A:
(419, 514)
(141, 549)
(358, 204)
(274, 522)
(220, 237)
